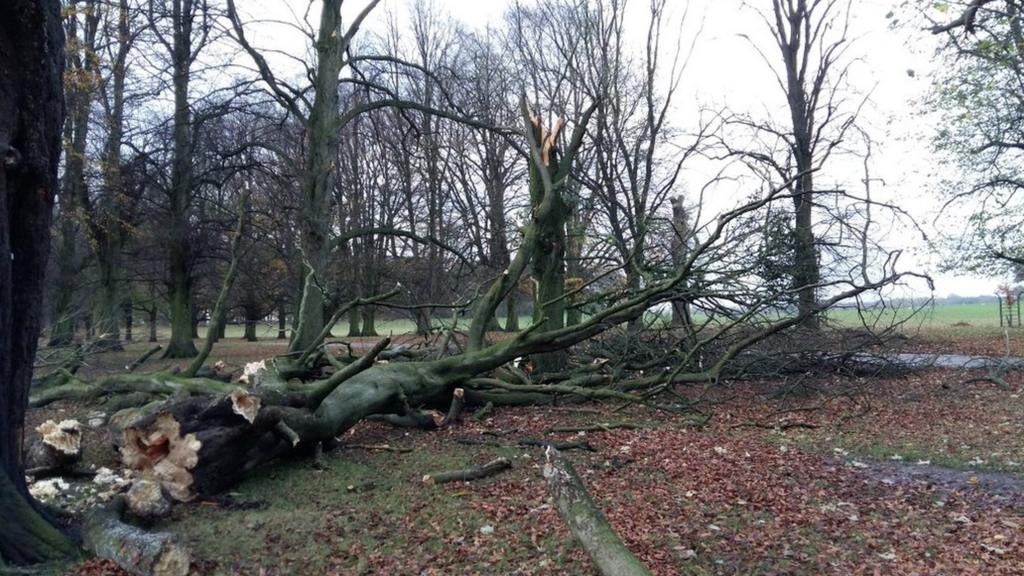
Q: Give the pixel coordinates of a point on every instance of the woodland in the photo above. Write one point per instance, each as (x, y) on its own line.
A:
(350, 287)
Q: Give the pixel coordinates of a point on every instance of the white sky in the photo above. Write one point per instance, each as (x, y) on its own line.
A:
(725, 70)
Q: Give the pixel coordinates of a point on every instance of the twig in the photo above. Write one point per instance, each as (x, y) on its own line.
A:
(592, 428)
(378, 447)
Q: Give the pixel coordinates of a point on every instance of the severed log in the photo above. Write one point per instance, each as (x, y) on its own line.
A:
(586, 521)
(200, 446)
(54, 449)
(134, 550)
(490, 469)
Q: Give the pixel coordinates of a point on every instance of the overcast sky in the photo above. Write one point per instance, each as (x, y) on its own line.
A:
(725, 71)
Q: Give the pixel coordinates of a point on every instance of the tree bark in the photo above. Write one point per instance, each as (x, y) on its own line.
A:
(31, 114)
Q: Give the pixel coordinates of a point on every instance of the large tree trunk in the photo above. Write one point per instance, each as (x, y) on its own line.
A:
(680, 252)
(805, 271)
(800, 94)
(109, 304)
(62, 331)
(369, 321)
(31, 113)
(317, 175)
(512, 311)
(282, 322)
(152, 323)
(74, 189)
(129, 319)
(548, 265)
(179, 258)
(180, 308)
(252, 317)
(108, 221)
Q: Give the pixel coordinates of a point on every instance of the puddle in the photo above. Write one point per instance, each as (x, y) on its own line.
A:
(1002, 484)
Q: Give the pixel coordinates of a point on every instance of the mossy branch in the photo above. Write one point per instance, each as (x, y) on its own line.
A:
(219, 309)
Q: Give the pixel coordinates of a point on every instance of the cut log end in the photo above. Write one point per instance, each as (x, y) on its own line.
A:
(65, 436)
(147, 501)
(134, 550)
(174, 561)
(56, 447)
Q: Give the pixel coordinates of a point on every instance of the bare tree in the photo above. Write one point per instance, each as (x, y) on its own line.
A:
(812, 41)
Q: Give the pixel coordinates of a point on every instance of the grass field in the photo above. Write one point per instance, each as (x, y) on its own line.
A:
(934, 316)
(981, 317)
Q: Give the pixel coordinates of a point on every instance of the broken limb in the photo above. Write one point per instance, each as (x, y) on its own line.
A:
(490, 469)
(219, 313)
(586, 521)
(142, 359)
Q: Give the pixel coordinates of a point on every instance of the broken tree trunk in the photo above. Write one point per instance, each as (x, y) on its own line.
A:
(136, 551)
(586, 521)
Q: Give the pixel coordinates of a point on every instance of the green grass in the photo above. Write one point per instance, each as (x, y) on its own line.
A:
(361, 507)
(942, 315)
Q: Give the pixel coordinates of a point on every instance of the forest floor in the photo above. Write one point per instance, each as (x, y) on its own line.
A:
(921, 474)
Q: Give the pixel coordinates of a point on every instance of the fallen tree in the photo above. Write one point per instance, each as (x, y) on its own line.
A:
(210, 433)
